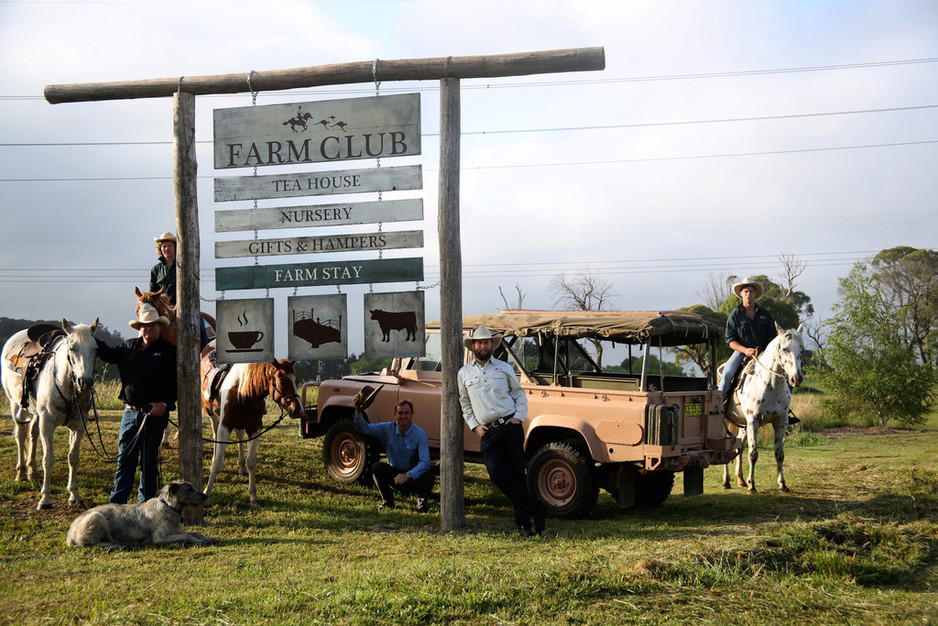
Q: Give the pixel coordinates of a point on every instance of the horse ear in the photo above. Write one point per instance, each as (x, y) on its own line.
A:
(800, 328)
(94, 326)
(779, 329)
(66, 326)
(138, 292)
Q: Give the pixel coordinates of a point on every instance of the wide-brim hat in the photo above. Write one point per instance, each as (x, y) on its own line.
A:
(147, 314)
(748, 282)
(167, 236)
(366, 396)
(482, 333)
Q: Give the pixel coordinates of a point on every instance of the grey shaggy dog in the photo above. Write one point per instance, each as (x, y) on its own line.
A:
(158, 520)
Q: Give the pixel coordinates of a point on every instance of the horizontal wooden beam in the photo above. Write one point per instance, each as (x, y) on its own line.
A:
(492, 66)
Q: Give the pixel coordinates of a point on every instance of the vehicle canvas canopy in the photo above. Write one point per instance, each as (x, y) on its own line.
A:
(667, 328)
(556, 355)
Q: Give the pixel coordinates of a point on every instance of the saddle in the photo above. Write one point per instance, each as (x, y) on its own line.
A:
(33, 354)
(212, 374)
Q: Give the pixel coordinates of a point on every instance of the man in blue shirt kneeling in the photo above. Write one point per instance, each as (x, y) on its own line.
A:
(408, 468)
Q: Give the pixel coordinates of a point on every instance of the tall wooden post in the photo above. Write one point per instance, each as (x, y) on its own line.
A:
(189, 405)
(452, 508)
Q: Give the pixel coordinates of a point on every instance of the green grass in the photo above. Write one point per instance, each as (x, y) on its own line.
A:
(855, 542)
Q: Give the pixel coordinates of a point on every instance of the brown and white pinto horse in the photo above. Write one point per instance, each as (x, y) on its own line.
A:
(160, 301)
(240, 404)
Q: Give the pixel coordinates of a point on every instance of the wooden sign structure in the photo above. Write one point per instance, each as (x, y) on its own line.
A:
(449, 71)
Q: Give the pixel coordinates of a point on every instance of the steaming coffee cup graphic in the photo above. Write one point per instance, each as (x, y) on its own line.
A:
(244, 339)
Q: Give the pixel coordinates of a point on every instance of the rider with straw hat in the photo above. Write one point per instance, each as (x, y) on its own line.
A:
(749, 329)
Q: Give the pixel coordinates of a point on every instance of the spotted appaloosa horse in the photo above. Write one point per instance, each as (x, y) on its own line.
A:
(240, 405)
(763, 397)
(60, 395)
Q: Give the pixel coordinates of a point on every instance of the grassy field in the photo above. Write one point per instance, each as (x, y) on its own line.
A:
(856, 541)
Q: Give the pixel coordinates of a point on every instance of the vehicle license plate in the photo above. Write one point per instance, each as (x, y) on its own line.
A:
(693, 408)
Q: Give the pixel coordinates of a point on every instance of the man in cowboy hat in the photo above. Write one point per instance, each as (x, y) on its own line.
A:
(408, 452)
(494, 406)
(147, 367)
(749, 329)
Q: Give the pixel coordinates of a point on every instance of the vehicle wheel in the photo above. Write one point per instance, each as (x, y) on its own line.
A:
(654, 488)
(347, 454)
(561, 476)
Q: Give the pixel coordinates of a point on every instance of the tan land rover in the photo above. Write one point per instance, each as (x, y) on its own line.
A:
(587, 429)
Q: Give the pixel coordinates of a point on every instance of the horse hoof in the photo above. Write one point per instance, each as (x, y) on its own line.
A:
(255, 502)
(76, 503)
(726, 486)
(751, 490)
(43, 506)
(783, 489)
(21, 477)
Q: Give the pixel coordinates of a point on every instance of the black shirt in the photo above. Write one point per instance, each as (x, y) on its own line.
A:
(147, 374)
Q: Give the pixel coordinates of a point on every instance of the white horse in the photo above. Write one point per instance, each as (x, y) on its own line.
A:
(763, 397)
(60, 395)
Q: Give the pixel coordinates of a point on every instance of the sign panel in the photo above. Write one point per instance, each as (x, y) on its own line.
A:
(394, 324)
(325, 183)
(352, 242)
(317, 132)
(318, 327)
(318, 274)
(338, 214)
(245, 331)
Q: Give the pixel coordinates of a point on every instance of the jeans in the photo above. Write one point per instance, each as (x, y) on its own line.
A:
(730, 370)
(383, 475)
(503, 452)
(142, 450)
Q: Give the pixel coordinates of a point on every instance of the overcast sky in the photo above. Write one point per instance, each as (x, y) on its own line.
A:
(721, 136)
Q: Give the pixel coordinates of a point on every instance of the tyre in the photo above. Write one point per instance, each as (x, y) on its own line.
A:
(347, 454)
(561, 476)
(654, 488)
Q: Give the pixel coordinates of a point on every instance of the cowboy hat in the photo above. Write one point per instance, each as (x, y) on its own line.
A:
(482, 333)
(147, 314)
(365, 396)
(748, 282)
(167, 236)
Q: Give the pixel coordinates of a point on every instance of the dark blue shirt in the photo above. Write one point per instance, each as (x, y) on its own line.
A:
(752, 333)
(405, 450)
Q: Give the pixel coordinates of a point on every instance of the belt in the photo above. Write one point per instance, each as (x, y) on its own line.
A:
(500, 421)
(141, 409)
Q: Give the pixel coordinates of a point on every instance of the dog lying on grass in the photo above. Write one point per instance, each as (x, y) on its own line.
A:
(157, 521)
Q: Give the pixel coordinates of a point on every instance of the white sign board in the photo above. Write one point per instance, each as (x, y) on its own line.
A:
(317, 132)
(333, 182)
(349, 242)
(337, 214)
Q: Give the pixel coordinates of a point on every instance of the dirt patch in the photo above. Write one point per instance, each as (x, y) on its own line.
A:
(850, 431)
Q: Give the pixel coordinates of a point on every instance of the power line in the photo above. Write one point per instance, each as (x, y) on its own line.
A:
(59, 144)
(521, 165)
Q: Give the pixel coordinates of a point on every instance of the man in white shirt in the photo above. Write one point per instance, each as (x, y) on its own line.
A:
(494, 406)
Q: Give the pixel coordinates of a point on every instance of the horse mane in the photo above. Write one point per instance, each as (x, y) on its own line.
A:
(256, 377)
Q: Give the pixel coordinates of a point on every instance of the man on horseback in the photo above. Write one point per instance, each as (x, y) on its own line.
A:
(749, 329)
